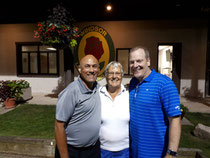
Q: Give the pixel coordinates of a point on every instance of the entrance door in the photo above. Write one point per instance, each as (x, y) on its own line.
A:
(169, 61)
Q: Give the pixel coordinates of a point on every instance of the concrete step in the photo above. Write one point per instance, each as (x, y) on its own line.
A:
(18, 147)
(190, 153)
(28, 147)
(4, 155)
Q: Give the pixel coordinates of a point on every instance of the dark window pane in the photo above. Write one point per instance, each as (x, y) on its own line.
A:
(52, 63)
(43, 62)
(33, 63)
(123, 59)
(25, 62)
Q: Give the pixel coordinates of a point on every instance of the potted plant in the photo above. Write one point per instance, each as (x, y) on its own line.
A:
(11, 92)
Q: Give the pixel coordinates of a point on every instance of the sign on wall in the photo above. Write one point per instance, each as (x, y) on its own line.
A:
(95, 40)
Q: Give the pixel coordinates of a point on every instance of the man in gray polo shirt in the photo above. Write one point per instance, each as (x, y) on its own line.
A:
(78, 114)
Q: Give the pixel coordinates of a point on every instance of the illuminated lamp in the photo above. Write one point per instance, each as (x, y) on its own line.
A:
(109, 7)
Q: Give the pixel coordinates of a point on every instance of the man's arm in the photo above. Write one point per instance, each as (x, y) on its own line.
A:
(60, 136)
(174, 134)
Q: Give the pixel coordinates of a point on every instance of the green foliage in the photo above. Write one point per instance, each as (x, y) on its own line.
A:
(28, 120)
(188, 140)
(184, 109)
(12, 89)
(196, 118)
(73, 43)
(4, 91)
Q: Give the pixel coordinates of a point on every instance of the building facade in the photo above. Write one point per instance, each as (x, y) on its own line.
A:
(178, 48)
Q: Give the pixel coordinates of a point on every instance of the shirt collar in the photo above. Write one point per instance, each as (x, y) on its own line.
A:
(104, 90)
(149, 78)
(84, 89)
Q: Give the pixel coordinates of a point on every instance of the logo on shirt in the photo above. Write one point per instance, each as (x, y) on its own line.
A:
(177, 107)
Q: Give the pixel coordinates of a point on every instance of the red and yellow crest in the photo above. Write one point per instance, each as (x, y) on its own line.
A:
(96, 41)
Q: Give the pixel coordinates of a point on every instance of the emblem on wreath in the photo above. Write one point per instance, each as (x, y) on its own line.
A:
(94, 47)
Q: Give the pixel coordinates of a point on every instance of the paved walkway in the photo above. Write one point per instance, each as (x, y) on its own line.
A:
(194, 105)
(45, 99)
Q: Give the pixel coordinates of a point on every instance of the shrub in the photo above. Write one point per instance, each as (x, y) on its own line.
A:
(12, 89)
(184, 109)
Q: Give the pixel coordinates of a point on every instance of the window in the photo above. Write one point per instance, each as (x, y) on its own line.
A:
(36, 59)
(122, 56)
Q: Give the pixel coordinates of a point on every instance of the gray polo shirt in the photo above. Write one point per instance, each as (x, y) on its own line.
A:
(80, 108)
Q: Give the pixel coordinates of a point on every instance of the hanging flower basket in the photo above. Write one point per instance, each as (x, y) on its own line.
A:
(58, 30)
(56, 35)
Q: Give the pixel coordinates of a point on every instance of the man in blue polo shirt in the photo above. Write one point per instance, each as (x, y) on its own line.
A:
(155, 123)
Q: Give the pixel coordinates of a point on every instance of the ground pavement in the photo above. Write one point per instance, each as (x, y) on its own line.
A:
(194, 105)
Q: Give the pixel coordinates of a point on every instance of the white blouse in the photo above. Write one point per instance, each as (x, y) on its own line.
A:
(114, 131)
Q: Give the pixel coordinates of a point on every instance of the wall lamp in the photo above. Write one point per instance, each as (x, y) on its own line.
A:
(108, 7)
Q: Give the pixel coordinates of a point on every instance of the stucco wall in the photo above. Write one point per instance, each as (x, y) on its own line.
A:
(125, 34)
(191, 33)
(9, 35)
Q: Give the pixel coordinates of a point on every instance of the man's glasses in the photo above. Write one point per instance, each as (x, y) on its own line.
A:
(114, 73)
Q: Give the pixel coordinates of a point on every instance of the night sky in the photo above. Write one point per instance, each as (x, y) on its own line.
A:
(94, 10)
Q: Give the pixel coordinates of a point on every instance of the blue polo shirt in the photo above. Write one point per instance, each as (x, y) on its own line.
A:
(152, 101)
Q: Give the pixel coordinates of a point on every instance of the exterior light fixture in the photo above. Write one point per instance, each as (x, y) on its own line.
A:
(109, 7)
(51, 48)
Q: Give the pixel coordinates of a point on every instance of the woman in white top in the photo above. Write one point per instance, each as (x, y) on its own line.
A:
(114, 132)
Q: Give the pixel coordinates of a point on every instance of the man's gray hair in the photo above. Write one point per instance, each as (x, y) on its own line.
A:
(114, 64)
(140, 47)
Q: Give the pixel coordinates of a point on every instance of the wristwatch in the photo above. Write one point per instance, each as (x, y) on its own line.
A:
(172, 153)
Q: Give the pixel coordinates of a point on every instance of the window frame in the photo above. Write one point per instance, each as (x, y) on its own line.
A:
(19, 53)
(117, 54)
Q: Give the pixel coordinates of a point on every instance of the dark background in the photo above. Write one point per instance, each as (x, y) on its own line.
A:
(94, 10)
